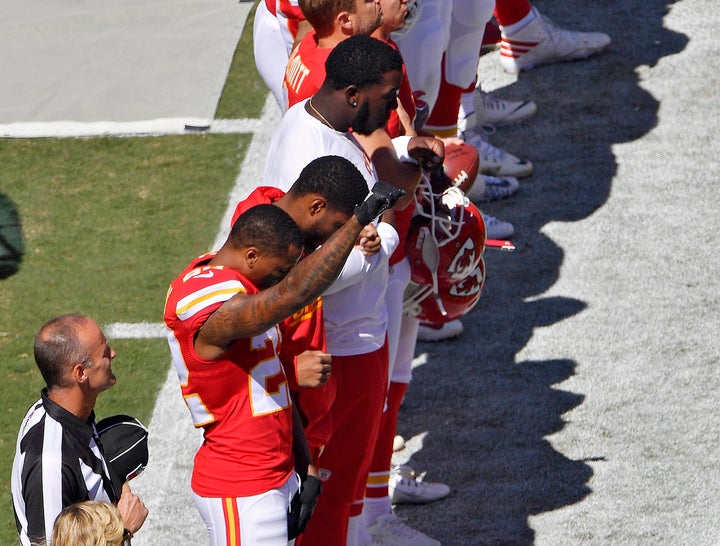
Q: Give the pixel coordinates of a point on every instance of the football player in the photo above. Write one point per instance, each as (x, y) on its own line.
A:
(222, 314)
(359, 91)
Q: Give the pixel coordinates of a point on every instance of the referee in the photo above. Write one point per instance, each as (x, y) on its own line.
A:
(58, 458)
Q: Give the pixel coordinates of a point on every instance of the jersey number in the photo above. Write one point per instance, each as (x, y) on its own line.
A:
(268, 388)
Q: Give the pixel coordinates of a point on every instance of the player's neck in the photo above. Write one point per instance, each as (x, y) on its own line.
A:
(382, 34)
(331, 40)
(322, 107)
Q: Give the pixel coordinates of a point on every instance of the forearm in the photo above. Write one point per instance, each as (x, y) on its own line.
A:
(358, 266)
(301, 451)
(242, 316)
(405, 175)
(303, 28)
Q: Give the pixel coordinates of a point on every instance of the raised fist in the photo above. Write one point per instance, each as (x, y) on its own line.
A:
(383, 197)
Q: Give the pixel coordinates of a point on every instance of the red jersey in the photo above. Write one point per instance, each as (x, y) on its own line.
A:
(240, 399)
(305, 330)
(286, 10)
(305, 71)
(289, 16)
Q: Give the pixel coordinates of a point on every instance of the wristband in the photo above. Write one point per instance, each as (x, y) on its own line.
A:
(401, 149)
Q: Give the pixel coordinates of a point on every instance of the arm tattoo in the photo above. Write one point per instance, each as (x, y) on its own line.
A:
(244, 315)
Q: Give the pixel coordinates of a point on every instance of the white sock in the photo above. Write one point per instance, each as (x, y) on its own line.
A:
(521, 24)
(467, 104)
(355, 523)
(373, 508)
(363, 535)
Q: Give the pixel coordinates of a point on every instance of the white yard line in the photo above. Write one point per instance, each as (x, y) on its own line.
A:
(136, 330)
(149, 127)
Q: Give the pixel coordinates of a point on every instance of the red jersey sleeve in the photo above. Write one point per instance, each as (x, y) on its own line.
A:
(289, 14)
(262, 195)
(303, 331)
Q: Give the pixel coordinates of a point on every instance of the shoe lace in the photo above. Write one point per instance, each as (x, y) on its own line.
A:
(484, 131)
(549, 22)
(489, 220)
(487, 150)
(398, 527)
(492, 103)
(555, 33)
(495, 192)
(410, 482)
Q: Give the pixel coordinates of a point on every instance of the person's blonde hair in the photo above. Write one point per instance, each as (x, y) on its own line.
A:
(88, 523)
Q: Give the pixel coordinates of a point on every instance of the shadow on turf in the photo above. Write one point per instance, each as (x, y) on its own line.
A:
(486, 413)
(11, 238)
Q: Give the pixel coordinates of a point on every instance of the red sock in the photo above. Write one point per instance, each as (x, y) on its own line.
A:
(508, 12)
(443, 118)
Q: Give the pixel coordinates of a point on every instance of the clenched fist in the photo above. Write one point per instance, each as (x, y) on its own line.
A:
(313, 368)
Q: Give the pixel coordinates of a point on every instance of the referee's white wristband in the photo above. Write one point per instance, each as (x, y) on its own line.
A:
(401, 149)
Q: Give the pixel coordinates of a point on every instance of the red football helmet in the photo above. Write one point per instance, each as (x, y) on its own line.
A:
(446, 239)
(451, 302)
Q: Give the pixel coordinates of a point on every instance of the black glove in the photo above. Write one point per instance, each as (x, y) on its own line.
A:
(302, 506)
(383, 197)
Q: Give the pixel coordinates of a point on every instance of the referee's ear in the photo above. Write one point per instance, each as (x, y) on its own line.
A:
(77, 373)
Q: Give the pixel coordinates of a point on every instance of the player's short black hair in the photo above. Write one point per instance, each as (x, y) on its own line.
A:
(267, 227)
(336, 179)
(58, 345)
(361, 61)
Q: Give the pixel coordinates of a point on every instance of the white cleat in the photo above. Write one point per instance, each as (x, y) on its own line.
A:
(494, 161)
(543, 42)
(490, 110)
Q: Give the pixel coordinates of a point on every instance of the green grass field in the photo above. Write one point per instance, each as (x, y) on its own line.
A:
(108, 223)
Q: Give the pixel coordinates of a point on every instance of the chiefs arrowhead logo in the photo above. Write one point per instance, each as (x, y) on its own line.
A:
(469, 286)
(464, 261)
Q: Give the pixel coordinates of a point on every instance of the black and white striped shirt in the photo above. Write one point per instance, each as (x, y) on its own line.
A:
(58, 461)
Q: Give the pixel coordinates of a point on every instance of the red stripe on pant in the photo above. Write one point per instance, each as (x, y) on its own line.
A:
(232, 521)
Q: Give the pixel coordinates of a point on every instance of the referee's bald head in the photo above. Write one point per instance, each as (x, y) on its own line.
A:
(59, 345)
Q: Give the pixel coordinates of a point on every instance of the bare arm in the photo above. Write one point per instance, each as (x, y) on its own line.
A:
(303, 459)
(405, 121)
(244, 315)
(378, 146)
